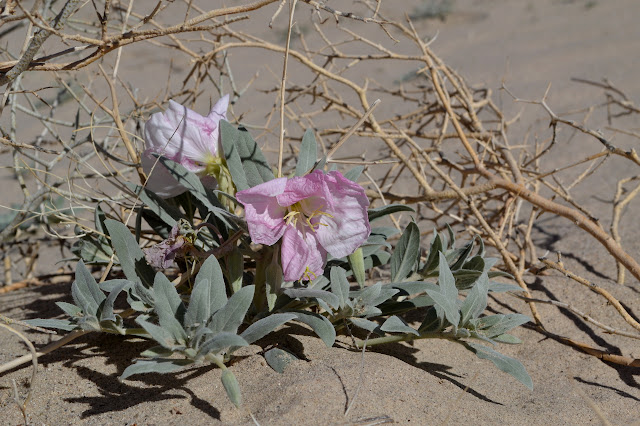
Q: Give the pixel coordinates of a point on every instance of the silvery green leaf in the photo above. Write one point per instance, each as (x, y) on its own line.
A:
(220, 342)
(507, 364)
(279, 359)
(465, 278)
(431, 264)
(406, 253)
(507, 338)
(395, 324)
(157, 352)
(476, 301)
(496, 325)
(497, 287)
(161, 335)
(131, 257)
(414, 287)
(354, 174)
(52, 323)
(356, 261)
(446, 281)
(231, 315)
(476, 263)
(324, 295)
(140, 297)
(232, 387)
(163, 210)
(462, 255)
(340, 285)
(449, 307)
(155, 366)
(93, 249)
(89, 323)
(369, 311)
(385, 231)
(382, 211)
(110, 285)
(373, 243)
(85, 290)
(432, 321)
(195, 187)
(367, 294)
(264, 326)
(239, 142)
(167, 304)
(319, 283)
(308, 153)
(366, 324)
(69, 308)
(106, 308)
(320, 325)
(235, 269)
(209, 293)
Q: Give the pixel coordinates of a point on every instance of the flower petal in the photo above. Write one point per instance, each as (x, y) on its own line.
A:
(264, 215)
(348, 227)
(159, 179)
(301, 251)
(302, 187)
(219, 110)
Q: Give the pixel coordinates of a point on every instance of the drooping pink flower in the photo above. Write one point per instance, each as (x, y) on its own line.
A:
(185, 137)
(313, 214)
(163, 254)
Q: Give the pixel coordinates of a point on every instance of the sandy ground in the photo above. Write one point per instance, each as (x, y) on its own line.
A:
(529, 45)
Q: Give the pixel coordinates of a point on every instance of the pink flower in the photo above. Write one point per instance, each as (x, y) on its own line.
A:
(313, 214)
(185, 137)
(163, 254)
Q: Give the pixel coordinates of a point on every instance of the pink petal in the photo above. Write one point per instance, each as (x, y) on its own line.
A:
(348, 228)
(219, 110)
(159, 179)
(301, 250)
(264, 216)
(301, 187)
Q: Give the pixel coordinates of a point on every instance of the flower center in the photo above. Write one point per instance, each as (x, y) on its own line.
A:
(296, 211)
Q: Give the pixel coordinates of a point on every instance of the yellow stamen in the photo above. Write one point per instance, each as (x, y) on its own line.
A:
(307, 275)
(296, 210)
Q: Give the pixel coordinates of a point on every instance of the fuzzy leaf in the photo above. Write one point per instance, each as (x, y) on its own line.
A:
(52, 323)
(330, 298)
(279, 359)
(231, 316)
(195, 187)
(308, 153)
(496, 325)
(261, 328)
(395, 324)
(161, 335)
(476, 300)
(157, 352)
(220, 342)
(85, 291)
(340, 285)
(239, 141)
(354, 174)
(155, 366)
(131, 257)
(382, 211)
(208, 295)
(232, 387)
(320, 325)
(507, 364)
(366, 324)
(406, 254)
(356, 261)
(163, 210)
